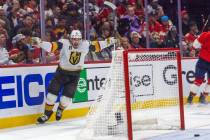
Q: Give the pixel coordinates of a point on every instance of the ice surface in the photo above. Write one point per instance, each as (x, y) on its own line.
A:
(197, 119)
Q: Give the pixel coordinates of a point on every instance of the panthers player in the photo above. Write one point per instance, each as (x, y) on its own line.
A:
(202, 67)
(72, 56)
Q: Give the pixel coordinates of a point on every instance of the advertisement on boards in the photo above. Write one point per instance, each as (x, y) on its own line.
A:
(23, 89)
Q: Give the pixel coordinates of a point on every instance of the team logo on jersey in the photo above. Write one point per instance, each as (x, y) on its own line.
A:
(74, 58)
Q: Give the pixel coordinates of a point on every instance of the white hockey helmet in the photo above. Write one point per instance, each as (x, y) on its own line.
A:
(76, 34)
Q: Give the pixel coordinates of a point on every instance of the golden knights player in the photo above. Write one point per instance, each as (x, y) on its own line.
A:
(72, 56)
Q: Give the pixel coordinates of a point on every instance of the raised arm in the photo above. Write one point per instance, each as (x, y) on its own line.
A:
(47, 46)
(98, 46)
(51, 46)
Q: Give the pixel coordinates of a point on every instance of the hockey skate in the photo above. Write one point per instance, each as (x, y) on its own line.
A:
(59, 114)
(45, 117)
(202, 98)
(190, 98)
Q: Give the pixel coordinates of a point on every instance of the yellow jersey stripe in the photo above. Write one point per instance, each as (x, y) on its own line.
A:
(54, 47)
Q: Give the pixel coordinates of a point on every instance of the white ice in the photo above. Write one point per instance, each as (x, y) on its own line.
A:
(197, 121)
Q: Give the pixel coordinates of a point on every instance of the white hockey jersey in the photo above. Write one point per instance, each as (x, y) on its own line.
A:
(71, 59)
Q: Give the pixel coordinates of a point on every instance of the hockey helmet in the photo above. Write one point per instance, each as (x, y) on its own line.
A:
(76, 34)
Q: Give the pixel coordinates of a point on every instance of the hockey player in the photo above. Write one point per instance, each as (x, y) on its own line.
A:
(72, 56)
(202, 67)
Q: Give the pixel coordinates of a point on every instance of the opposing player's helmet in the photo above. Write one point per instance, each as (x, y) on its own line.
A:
(76, 34)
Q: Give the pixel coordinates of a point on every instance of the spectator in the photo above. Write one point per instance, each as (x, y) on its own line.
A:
(60, 30)
(155, 7)
(15, 4)
(14, 21)
(156, 40)
(49, 22)
(8, 44)
(185, 22)
(20, 54)
(93, 8)
(124, 44)
(2, 28)
(172, 38)
(105, 31)
(6, 5)
(65, 9)
(27, 22)
(154, 25)
(72, 13)
(166, 25)
(193, 33)
(5, 19)
(48, 35)
(170, 8)
(189, 38)
(48, 11)
(123, 27)
(121, 10)
(4, 55)
(56, 14)
(31, 7)
(28, 35)
(135, 40)
(133, 19)
(105, 35)
(104, 13)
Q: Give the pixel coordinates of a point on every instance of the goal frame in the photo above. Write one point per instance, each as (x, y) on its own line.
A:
(127, 85)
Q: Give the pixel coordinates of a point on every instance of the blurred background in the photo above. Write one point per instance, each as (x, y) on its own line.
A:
(134, 24)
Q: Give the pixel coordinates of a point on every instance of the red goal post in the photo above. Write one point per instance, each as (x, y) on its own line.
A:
(127, 85)
(143, 91)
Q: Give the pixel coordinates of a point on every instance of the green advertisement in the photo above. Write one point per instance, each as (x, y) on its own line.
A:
(81, 94)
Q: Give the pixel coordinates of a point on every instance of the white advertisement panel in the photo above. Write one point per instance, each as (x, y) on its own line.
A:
(23, 89)
(96, 76)
(155, 80)
(166, 71)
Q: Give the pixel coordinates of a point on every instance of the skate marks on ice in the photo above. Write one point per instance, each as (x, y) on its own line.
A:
(197, 116)
(197, 122)
(65, 130)
(194, 134)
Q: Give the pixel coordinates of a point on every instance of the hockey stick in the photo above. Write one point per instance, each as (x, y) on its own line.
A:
(109, 4)
(204, 26)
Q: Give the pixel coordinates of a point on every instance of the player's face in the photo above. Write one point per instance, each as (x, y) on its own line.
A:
(75, 42)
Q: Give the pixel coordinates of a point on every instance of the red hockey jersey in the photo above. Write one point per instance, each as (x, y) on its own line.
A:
(203, 42)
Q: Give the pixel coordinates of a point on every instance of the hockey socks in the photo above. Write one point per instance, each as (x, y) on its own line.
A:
(202, 98)
(59, 112)
(190, 97)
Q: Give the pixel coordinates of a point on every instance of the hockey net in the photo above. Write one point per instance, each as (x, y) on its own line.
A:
(143, 91)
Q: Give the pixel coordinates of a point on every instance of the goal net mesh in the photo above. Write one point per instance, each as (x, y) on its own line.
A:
(154, 94)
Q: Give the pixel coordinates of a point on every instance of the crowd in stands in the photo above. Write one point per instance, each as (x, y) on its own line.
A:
(20, 22)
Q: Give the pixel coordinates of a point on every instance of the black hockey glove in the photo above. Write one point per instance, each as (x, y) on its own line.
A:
(92, 48)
